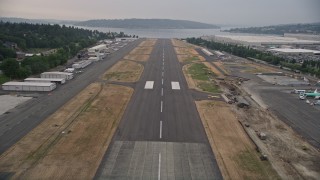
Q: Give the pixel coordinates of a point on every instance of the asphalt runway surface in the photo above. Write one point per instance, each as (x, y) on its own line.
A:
(161, 135)
(303, 118)
(22, 119)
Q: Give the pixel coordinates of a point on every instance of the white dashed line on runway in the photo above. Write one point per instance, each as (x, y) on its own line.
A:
(160, 129)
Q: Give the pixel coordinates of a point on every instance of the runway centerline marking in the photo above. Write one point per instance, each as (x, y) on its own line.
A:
(160, 129)
(161, 91)
(161, 106)
(159, 167)
(175, 85)
(162, 73)
(149, 85)
(162, 81)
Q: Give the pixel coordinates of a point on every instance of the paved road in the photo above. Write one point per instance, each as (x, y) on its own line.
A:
(161, 135)
(24, 118)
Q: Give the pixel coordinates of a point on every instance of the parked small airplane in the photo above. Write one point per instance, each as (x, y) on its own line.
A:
(314, 94)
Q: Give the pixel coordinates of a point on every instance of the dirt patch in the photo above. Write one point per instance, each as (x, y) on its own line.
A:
(188, 55)
(178, 43)
(189, 58)
(71, 143)
(213, 69)
(137, 57)
(292, 156)
(124, 71)
(185, 51)
(221, 66)
(142, 50)
(234, 151)
(148, 42)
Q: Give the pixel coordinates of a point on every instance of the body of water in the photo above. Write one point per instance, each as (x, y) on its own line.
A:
(162, 33)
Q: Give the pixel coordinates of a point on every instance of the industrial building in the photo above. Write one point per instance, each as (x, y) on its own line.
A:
(46, 80)
(208, 53)
(64, 75)
(28, 86)
(219, 54)
(81, 64)
(260, 40)
(96, 50)
(290, 51)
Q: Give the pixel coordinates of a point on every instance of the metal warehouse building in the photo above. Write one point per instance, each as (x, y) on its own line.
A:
(64, 75)
(46, 80)
(28, 86)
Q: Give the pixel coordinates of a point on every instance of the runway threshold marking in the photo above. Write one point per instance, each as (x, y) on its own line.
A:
(161, 106)
(175, 85)
(159, 167)
(160, 129)
(149, 85)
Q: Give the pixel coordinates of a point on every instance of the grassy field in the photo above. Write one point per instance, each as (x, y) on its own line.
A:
(209, 87)
(199, 71)
(199, 77)
(124, 71)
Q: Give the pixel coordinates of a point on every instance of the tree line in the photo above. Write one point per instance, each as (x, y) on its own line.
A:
(311, 67)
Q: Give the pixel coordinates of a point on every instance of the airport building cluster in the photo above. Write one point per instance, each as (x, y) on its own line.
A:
(297, 47)
(260, 41)
(48, 81)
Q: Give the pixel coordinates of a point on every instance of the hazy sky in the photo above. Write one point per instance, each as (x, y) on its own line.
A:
(238, 12)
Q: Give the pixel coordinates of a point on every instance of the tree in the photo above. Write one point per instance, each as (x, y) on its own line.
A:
(10, 67)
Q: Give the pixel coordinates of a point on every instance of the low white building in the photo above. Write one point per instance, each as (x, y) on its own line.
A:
(81, 64)
(294, 51)
(46, 80)
(28, 86)
(64, 75)
(260, 40)
(206, 51)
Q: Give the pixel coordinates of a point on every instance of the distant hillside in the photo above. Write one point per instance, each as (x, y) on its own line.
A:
(312, 28)
(36, 21)
(147, 24)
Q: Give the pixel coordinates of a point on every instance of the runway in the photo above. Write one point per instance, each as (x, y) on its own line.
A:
(160, 135)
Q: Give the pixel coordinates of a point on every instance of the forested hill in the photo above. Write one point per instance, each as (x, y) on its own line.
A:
(147, 24)
(312, 28)
(46, 36)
